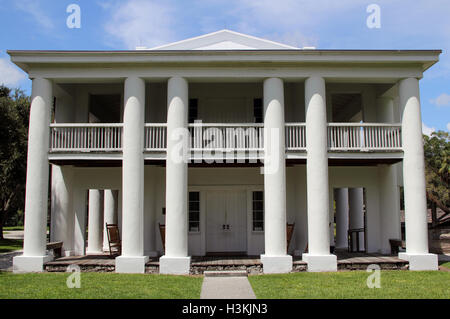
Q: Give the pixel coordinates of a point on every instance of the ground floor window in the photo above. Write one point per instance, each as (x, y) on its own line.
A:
(194, 211)
(258, 211)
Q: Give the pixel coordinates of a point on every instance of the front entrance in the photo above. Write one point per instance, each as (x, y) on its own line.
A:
(226, 226)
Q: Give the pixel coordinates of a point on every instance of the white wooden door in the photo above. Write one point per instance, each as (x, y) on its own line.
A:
(226, 221)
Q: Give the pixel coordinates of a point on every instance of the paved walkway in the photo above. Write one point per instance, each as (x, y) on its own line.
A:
(226, 288)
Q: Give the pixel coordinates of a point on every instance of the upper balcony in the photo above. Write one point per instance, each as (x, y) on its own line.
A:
(241, 140)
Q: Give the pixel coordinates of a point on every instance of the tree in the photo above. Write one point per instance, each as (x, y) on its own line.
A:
(437, 168)
(14, 114)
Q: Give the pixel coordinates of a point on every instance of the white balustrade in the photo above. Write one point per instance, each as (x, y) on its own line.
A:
(364, 137)
(155, 137)
(85, 137)
(295, 136)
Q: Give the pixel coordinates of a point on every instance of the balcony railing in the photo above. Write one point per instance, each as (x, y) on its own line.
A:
(349, 137)
(364, 137)
(85, 137)
(295, 136)
(155, 137)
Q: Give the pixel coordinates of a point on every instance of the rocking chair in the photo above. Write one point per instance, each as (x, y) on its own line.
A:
(115, 244)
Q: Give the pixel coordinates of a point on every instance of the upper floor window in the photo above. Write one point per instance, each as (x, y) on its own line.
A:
(104, 108)
(258, 211)
(258, 110)
(194, 211)
(193, 110)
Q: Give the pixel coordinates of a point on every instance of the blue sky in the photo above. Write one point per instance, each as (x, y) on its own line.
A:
(326, 24)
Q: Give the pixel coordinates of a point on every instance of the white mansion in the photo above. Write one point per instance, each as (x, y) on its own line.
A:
(224, 139)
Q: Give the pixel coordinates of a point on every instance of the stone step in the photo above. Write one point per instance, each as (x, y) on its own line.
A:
(225, 273)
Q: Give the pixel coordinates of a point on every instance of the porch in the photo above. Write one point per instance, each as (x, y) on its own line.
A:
(253, 264)
(77, 141)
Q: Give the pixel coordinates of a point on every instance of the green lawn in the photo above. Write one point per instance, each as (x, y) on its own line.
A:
(394, 284)
(8, 245)
(99, 285)
(10, 228)
(446, 264)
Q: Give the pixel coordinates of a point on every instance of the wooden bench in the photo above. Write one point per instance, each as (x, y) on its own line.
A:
(56, 246)
(396, 244)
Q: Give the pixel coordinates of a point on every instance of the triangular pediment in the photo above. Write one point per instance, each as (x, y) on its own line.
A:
(225, 40)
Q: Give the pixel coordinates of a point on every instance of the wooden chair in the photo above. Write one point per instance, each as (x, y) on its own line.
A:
(289, 232)
(396, 244)
(115, 244)
(162, 231)
(56, 247)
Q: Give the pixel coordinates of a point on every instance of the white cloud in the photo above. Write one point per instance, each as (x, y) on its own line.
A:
(33, 9)
(293, 22)
(427, 130)
(448, 126)
(140, 23)
(441, 100)
(9, 74)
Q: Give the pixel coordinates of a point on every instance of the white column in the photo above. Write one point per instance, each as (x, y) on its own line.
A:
(356, 214)
(318, 256)
(414, 180)
(275, 259)
(389, 192)
(62, 212)
(341, 218)
(133, 259)
(389, 207)
(79, 206)
(176, 260)
(110, 213)
(36, 198)
(95, 222)
(150, 233)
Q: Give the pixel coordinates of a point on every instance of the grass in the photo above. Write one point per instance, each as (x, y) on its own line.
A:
(12, 228)
(9, 245)
(99, 286)
(351, 285)
(446, 264)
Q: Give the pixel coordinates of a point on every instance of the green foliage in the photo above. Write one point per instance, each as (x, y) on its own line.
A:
(14, 113)
(437, 152)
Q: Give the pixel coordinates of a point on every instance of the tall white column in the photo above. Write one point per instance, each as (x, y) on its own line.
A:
(80, 202)
(390, 226)
(62, 212)
(176, 259)
(318, 257)
(110, 213)
(414, 180)
(36, 198)
(275, 258)
(389, 191)
(95, 222)
(133, 259)
(356, 214)
(341, 218)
